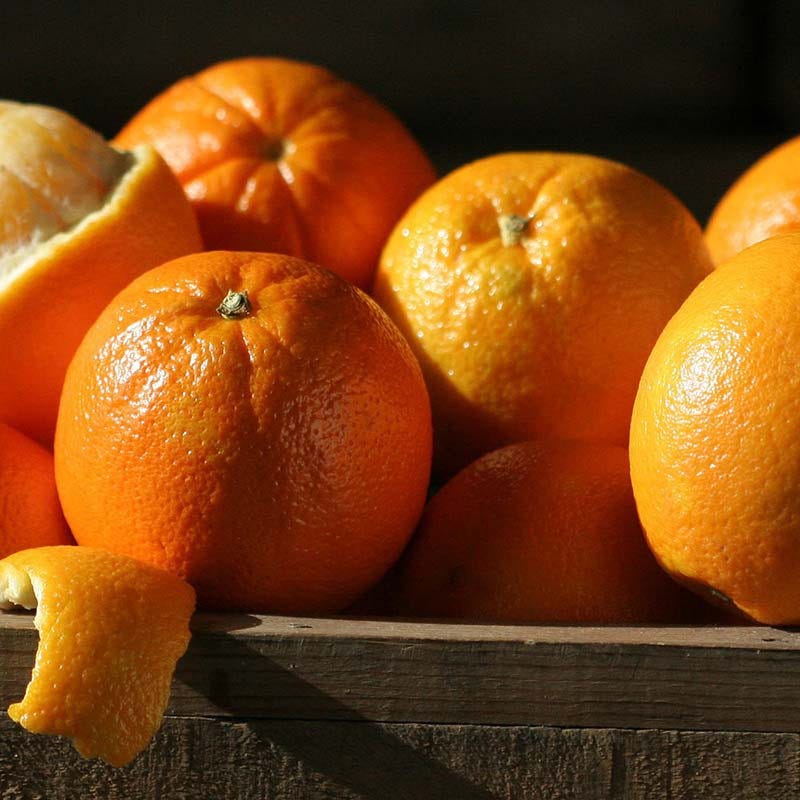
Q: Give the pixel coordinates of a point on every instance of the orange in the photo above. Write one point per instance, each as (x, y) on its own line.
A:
(532, 287)
(252, 423)
(763, 202)
(30, 514)
(284, 157)
(538, 532)
(78, 221)
(715, 436)
(111, 630)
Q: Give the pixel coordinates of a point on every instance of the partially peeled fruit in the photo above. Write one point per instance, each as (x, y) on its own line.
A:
(53, 173)
(79, 220)
(111, 631)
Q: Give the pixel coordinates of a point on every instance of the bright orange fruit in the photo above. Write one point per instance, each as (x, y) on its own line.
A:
(538, 532)
(284, 157)
(30, 514)
(78, 221)
(715, 436)
(532, 287)
(272, 446)
(763, 202)
(111, 630)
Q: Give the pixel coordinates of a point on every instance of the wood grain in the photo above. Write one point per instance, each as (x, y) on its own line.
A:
(720, 679)
(292, 760)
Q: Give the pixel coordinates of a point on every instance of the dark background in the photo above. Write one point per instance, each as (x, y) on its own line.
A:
(688, 91)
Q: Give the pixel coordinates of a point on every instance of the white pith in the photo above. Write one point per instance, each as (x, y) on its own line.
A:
(18, 589)
(54, 174)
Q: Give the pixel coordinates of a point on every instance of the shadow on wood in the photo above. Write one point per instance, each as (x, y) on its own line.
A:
(366, 758)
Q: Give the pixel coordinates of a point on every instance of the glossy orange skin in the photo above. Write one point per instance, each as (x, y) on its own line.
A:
(277, 462)
(282, 156)
(30, 514)
(547, 337)
(763, 202)
(715, 435)
(538, 532)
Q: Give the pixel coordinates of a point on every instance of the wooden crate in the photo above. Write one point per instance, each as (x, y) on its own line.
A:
(281, 707)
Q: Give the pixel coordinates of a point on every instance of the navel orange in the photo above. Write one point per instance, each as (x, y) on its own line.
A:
(111, 630)
(715, 436)
(282, 156)
(763, 202)
(538, 532)
(78, 221)
(532, 287)
(30, 514)
(252, 423)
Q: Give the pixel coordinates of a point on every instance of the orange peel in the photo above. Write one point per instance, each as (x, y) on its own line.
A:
(111, 631)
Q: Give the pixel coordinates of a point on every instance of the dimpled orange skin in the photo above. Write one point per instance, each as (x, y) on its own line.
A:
(278, 462)
(30, 514)
(111, 631)
(544, 337)
(763, 202)
(714, 440)
(284, 157)
(538, 532)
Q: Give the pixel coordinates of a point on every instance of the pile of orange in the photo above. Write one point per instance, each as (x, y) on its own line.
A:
(196, 386)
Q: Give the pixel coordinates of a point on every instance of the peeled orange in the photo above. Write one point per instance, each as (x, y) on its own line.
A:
(78, 221)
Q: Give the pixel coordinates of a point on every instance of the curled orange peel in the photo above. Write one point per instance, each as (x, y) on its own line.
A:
(111, 631)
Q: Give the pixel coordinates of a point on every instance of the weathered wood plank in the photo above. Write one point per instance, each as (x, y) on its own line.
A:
(292, 760)
(727, 678)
